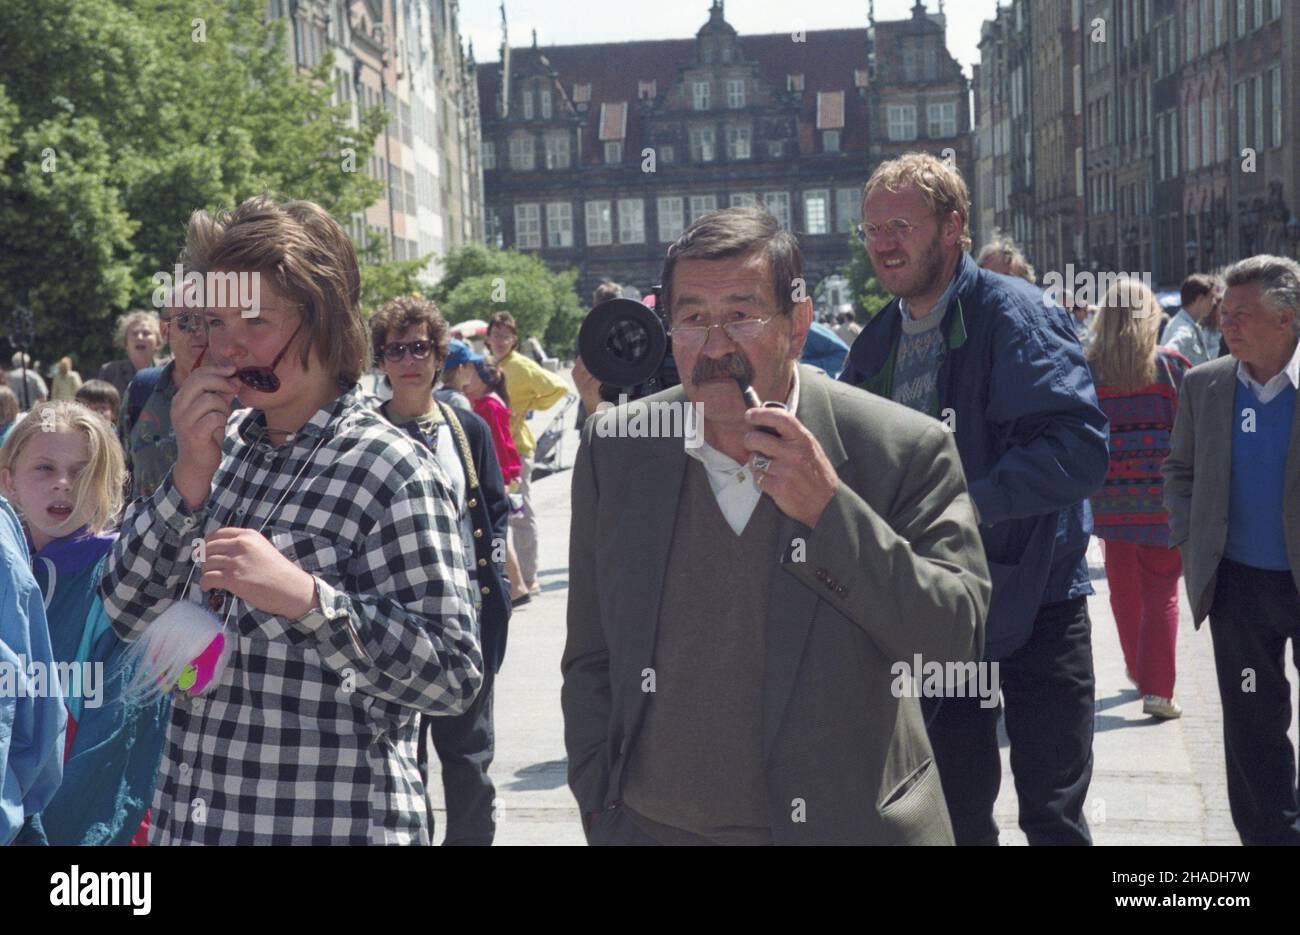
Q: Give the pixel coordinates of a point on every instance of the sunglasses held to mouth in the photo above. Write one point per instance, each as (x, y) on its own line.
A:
(262, 379)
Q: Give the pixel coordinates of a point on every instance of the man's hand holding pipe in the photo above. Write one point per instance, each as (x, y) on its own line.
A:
(799, 478)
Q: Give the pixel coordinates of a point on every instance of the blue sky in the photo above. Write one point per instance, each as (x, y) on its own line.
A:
(566, 22)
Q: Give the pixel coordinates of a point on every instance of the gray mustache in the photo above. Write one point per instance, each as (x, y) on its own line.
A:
(733, 365)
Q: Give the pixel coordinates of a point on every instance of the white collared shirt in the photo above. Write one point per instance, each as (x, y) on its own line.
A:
(733, 484)
(1267, 392)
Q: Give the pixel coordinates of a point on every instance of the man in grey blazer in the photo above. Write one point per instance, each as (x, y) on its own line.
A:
(1232, 488)
(746, 612)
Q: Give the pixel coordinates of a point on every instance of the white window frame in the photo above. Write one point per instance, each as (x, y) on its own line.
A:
(528, 103)
(944, 115)
(523, 153)
(830, 141)
(848, 208)
(704, 147)
(700, 95)
(735, 93)
(559, 224)
(817, 212)
(778, 203)
(599, 223)
(901, 122)
(544, 96)
(487, 154)
(613, 152)
(739, 143)
(671, 219)
(631, 220)
(528, 226)
(743, 200)
(559, 152)
(1278, 94)
(701, 205)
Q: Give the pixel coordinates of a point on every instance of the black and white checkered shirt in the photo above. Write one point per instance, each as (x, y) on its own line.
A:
(309, 737)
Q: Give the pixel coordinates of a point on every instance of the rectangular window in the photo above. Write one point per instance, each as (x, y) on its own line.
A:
(744, 200)
(1258, 129)
(700, 94)
(1221, 127)
(738, 142)
(1220, 22)
(1189, 38)
(557, 150)
(816, 212)
(735, 93)
(407, 129)
(1241, 18)
(1193, 139)
(410, 192)
(528, 105)
(778, 203)
(902, 122)
(613, 152)
(1243, 111)
(631, 220)
(1207, 25)
(488, 154)
(1207, 155)
(830, 141)
(1259, 13)
(545, 97)
(559, 224)
(599, 224)
(528, 227)
(671, 221)
(848, 208)
(1177, 141)
(522, 155)
(667, 154)
(1276, 75)
(702, 205)
(942, 119)
(702, 144)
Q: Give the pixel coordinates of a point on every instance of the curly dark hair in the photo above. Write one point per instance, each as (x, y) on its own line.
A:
(405, 311)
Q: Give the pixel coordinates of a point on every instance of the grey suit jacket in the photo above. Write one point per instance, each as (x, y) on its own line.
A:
(893, 568)
(1198, 475)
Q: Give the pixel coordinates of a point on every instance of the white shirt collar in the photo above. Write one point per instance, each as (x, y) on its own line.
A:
(1267, 392)
(733, 484)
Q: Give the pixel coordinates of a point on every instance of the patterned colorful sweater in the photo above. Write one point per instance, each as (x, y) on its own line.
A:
(1130, 504)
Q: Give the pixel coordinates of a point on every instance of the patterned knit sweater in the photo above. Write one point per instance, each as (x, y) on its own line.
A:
(1129, 506)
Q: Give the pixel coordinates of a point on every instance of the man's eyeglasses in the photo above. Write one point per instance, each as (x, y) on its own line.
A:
(397, 350)
(262, 379)
(746, 329)
(897, 229)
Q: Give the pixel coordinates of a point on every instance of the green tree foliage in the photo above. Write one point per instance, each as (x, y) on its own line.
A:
(151, 108)
(479, 281)
(869, 296)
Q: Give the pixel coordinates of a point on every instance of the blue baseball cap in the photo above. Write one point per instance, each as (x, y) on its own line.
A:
(459, 352)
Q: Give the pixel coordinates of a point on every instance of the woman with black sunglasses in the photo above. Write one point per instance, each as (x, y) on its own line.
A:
(409, 336)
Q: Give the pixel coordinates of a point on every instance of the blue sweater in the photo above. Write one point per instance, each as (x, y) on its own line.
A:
(1255, 534)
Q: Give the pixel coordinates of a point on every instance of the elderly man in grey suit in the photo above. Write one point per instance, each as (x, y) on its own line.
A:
(744, 612)
(1232, 487)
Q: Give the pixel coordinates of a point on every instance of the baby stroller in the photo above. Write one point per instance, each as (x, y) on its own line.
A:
(549, 456)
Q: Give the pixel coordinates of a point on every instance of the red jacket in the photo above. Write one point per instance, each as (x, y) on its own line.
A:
(497, 415)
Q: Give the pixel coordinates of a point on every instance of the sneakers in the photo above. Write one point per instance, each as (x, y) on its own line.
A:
(1163, 708)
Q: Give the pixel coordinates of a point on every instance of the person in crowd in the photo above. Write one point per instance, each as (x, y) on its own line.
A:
(145, 421)
(409, 337)
(8, 412)
(1001, 255)
(1137, 384)
(470, 373)
(608, 289)
(764, 715)
(1232, 488)
(101, 397)
(26, 382)
(847, 329)
(66, 381)
(32, 743)
(1002, 369)
(140, 332)
(62, 469)
(1194, 330)
(532, 388)
(331, 556)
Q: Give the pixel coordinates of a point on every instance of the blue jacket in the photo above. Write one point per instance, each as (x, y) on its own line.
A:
(1015, 387)
(823, 348)
(31, 726)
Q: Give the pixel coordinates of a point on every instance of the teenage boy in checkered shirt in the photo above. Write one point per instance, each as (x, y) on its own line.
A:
(330, 545)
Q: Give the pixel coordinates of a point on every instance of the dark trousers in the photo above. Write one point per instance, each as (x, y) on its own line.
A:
(1048, 690)
(465, 745)
(1255, 611)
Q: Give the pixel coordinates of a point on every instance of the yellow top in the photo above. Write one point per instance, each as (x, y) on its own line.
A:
(530, 387)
